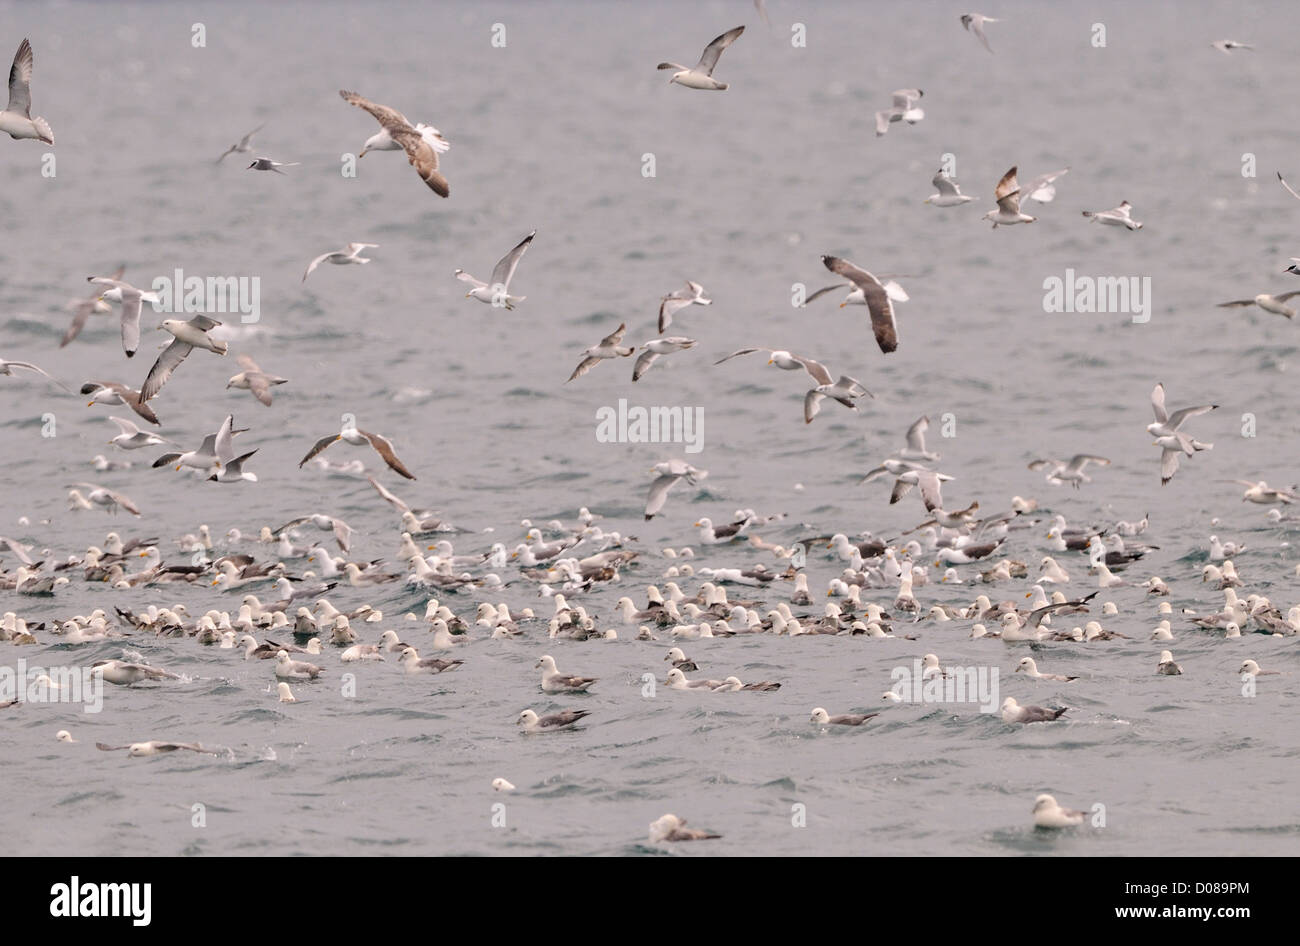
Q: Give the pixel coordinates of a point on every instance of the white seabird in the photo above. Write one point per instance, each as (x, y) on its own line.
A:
(186, 337)
(1060, 472)
(1029, 668)
(679, 299)
(607, 348)
(672, 828)
(1166, 666)
(551, 723)
(1119, 217)
(497, 292)
(974, 23)
(701, 75)
(154, 747)
(654, 348)
(948, 194)
(819, 715)
(1168, 436)
(1048, 814)
(421, 152)
(16, 120)
(287, 669)
(243, 146)
(122, 673)
(1013, 712)
(904, 108)
(1269, 303)
(267, 164)
(670, 472)
(348, 255)
(359, 438)
(254, 379)
(555, 682)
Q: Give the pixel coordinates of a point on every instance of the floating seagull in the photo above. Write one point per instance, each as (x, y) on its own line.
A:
(1048, 814)
(7, 369)
(656, 347)
(349, 254)
(949, 194)
(608, 348)
(555, 682)
(266, 164)
(701, 77)
(1060, 472)
(420, 153)
(414, 663)
(974, 23)
(1251, 668)
(130, 298)
(132, 437)
(1029, 668)
(242, 146)
(875, 296)
(501, 785)
(552, 723)
(154, 747)
(187, 336)
(16, 120)
(102, 496)
(820, 715)
(670, 471)
(1266, 302)
(1171, 440)
(674, 302)
(124, 673)
(497, 292)
(903, 109)
(254, 379)
(672, 828)
(359, 438)
(1228, 45)
(286, 694)
(289, 669)
(113, 392)
(1013, 712)
(1265, 495)
(1119, 217)
(1167, 667)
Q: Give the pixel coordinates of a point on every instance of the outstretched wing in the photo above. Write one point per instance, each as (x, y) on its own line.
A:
(317, 448)
(162, 369)
(709, 59)
(505, 269)
(385, 450)
(20, 78)
(878, 301)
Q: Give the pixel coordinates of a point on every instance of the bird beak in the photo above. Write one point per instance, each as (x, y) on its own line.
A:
(90, 403)
(843, 304)
(362, 154)
(178, 466)
(697, 525)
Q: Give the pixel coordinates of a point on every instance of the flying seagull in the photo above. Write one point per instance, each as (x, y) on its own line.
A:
(845, 390)
(701, 77)
(7, 368)
(1060, 472)
(974, 23)
(1228, 45)
(419, 152)
(130, 298)
(497, 292)
(83, 309)
(903, 109)
(656, 347)
(114, 392)
(948, 193)
(360, 438)
(1267, 302)
(266, 164)
(1007, 194)
(608, 348)
(254, 379)
(349, 254)
(670, 472)
(1169, 438)
(1119, 217)
(132, 437)
(16, 120)
(188, 336)
(876, 297)
(102, 496)
(242, 147)
(674, 302)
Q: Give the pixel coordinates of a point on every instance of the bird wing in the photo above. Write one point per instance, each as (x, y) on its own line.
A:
(1158, 403)
(223, 441)
(247, 363)
(342, 533)
(1289, 188)
(385, 493)
(975, 24)
(1177, 417)
(583, 367)
(1080, 460)
(1168, 465)
(311, 267)
(882, 309)
(317, 448)
(812, 402)
(946, 186)
(643, 363)
(930, 491)
(742, 351)
(1041, 188)
(127, 427)
(505, 269)
(162, 369)
(124, 501)
(916, 435)
(423, 158)
(130, 322)
(821, 292)
(31, 367)
(385, 450)
(80, 313)
(390, 118)
(708, 61)
(1236, 302)
(260, 386)
(814, 368)
(658, 494)
(466, 277)
(613, 338)
(20, 78)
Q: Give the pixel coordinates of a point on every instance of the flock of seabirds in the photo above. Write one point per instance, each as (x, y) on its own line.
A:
(294, 627)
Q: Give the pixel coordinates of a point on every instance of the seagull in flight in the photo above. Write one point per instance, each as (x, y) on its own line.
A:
(1119, 217)
(497, 292)
(1169, 438)
(675, 301)
(360, 438)
(607, 348)
(349, 254)
(16, 120)
(903, 109)
(242, 146)
(7, 369)
(1060, 472)
(670, 473)
(974, 23)
(421, 152)
(1268, 303)
(266, 164)
(948, 193)
(876, 297)
(701, 76)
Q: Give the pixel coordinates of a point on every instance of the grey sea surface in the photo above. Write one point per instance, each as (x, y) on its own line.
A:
(751, 187)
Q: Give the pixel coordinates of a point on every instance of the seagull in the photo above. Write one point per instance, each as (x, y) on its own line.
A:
(123, 673)
(555, 682)
(130, 297)
(420, 153)
(349, 254)
(383, 141)
(701, 77)
(656, 347)
(188, 336)
(670, 471)
(845, 390)
(903, 109)
(820, 715)
(1169, 437)
(1007, 194)
(915, 449)
(113, 392)
(215, 450)
(608, 348)
(930, 483)
(1265, 495)
(1029, 668)
(289, 669)
(949, 194)
(974, 23)
(232, 471)
(1266, 302)
(876, 298)
(254, 379)
(672, 828)
(266, 164)
(414, 663)
(359, 438)
(1013, 712)
(132, 437)
(341, 530)
(16, 120)
(1060, 472)
(242, 147)
(1167, 667)
(1228, 45)
(83, 309)
(1041, 188)
(1252, 668)
(552, 723)
(1048, 814)
(674, 302)
(497, 292)
(154, 747)
(1119, 217)
(102, 496)
(7, 369)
